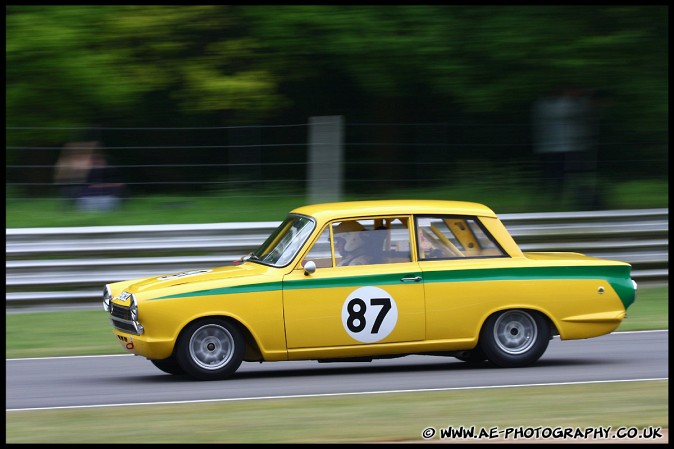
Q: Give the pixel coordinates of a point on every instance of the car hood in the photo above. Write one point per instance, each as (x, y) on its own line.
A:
(193, 279)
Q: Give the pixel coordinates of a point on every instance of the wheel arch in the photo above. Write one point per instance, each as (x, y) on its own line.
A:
(527, 308)
(515, 336)
(252, 352)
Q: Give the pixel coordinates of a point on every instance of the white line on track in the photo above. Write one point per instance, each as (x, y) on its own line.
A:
(319, 395)
(323, 395)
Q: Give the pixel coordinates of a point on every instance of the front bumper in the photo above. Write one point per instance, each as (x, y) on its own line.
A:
(144, 346)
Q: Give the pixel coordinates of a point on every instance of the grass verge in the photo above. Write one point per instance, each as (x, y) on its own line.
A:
(388, 417)
(504, 194)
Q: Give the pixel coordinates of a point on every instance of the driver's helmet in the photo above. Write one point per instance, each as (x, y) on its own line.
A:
(350, 233)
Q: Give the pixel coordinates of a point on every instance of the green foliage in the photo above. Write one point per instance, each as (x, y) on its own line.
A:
(78, 65)
(120, 65)
(485, 58)
(80, 59)
(635, 194)
(59, 70)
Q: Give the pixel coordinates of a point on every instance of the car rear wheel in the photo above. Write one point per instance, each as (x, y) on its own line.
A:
(210, 349)
(514, 338)
(170, 366)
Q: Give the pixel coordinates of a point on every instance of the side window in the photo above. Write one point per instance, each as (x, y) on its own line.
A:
(398, 241)
(320, 253)
(446, 237)
(371, 241)
(487, 245)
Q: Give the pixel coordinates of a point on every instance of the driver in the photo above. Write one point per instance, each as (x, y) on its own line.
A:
(351, 244)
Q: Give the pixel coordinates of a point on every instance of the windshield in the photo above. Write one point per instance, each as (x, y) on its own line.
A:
(284, 243)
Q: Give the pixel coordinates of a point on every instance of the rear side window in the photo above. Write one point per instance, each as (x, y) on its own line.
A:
(453, 237)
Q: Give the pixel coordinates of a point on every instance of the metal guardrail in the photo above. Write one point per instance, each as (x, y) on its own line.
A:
(61, 266)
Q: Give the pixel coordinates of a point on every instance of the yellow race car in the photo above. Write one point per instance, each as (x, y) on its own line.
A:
(371, 279)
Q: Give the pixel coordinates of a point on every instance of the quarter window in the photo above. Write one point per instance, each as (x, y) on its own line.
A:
(453, 237)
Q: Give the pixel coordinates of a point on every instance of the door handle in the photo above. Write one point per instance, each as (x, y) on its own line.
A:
(411, 279)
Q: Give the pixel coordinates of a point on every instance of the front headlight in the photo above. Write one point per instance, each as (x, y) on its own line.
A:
(133, 308)
(133, 311)
(107, 297)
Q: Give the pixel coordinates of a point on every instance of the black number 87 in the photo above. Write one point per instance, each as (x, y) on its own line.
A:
(357, 308)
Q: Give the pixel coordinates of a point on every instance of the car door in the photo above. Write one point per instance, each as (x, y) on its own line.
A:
(370, 304)
(462, 268)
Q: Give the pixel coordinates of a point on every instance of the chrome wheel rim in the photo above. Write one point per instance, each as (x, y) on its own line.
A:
(211, 347)
(515, 332)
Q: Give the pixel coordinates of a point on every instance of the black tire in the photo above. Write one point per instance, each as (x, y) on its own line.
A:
(514, 338)
(210, 349)
(170, 366)
(476, 355)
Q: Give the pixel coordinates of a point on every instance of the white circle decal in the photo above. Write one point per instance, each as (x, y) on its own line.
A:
(369, 314)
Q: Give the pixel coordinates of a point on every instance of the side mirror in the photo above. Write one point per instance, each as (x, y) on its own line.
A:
(309, 268)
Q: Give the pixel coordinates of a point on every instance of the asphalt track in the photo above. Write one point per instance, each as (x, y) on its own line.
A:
(122, 379)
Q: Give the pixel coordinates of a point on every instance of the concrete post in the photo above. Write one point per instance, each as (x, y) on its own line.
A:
(325, 176)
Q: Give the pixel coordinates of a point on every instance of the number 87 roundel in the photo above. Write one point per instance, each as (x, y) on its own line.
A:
(369, 314)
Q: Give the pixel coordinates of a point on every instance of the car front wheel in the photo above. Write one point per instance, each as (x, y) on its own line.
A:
(476, 355)
(210, 349)
(514, 338)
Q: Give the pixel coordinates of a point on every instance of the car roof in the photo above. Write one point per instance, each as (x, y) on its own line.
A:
(346, 209)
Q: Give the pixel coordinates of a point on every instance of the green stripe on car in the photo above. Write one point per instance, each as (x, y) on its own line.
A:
(617, 276)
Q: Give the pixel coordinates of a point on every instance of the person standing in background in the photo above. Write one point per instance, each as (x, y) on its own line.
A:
(103, 191)
(564, 137)
(72, 169)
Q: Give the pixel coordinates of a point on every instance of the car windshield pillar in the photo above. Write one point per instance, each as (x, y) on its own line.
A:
(282, 245)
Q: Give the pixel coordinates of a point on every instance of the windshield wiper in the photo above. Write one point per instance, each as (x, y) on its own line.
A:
(249, 256)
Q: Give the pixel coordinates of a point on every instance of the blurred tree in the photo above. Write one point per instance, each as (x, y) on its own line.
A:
(78, 65)
(60, 71)
(485, 58)
(435, 63)
(71, 66)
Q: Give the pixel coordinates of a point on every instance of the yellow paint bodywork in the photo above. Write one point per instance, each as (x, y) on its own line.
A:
(460, 308)
(287, 314)
(261, 313)
(313, 315)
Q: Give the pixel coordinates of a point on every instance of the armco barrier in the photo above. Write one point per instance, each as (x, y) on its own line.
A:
(61, 266)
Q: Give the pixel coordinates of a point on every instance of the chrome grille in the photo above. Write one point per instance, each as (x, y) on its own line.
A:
(120, 317)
